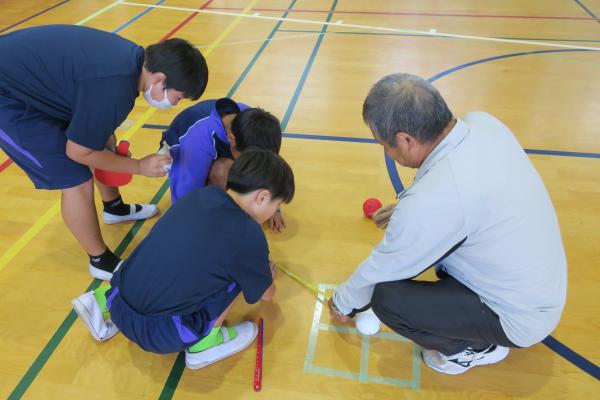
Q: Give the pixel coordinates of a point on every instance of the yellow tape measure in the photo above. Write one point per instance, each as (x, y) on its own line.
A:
(321, 296)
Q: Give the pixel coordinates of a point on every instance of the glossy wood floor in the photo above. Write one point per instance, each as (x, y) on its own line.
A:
(314, 78)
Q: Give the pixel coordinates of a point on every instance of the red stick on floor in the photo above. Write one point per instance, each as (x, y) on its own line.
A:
(259, 357)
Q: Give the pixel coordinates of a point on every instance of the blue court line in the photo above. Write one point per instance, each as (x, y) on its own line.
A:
(432, 36)
(373, 141)
(33, 16)
(575, 358)
(562, 153)
(261, 49)
(484, 60)
(140, 15)
(311, 60)
(178, 366)
(587, 10)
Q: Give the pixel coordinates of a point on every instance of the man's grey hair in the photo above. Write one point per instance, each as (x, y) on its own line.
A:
(405, 103)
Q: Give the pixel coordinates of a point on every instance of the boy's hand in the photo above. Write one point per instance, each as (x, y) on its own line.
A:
(381, 217)
(153, 165)
(273, 268)
(276, 223)
(336, 315)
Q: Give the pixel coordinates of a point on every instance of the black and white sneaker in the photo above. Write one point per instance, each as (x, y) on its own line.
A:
(103, 273)
(146, 211)
(463, 361)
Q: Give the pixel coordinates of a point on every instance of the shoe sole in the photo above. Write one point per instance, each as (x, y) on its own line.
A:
(127, 218)
(85, 316)
(498, 356)
(102, 274)
(207, 363)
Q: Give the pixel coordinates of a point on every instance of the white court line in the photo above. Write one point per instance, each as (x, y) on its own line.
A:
(368, 27)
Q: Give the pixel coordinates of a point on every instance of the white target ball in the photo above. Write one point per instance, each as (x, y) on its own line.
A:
(367, 323)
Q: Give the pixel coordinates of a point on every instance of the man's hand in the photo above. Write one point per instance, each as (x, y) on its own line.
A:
(381, 217)
(276, 223)
(153, 165)
(336, 315)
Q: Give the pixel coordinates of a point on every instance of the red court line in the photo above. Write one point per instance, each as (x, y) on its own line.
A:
(5, 164)
(188, 19)
(33, 16)
(421, 14)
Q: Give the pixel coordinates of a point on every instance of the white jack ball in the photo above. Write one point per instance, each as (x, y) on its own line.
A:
(367, 323)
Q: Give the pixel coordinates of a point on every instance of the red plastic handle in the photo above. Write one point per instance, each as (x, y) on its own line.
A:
(257, 384)
(123, 148)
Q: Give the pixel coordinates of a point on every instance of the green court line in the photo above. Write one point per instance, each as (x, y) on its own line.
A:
(179, 365)
(67, 323)
(416, 367)
(173, 378)
(334, 373)
(363, 375)
(353, 331)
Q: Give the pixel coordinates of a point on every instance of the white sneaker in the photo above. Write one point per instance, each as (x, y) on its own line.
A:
(90, 313)
(246, 333)
(463, 361)
(147, 211)
(103, 274)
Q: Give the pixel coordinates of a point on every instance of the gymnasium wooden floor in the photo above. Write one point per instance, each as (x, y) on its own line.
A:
(314, 77)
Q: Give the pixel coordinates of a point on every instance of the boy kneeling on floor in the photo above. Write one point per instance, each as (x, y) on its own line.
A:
(175, 290)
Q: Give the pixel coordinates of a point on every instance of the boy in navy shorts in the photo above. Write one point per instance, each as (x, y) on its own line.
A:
(204, 139)
(175, 290)
(63, 91)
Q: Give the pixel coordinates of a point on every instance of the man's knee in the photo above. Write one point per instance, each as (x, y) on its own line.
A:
(389, 297)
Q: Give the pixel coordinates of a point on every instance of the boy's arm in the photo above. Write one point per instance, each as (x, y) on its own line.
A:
(270, 292)
(150, 165)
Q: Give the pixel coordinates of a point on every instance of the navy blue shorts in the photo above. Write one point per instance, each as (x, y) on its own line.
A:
(37, 143)
(165, 334)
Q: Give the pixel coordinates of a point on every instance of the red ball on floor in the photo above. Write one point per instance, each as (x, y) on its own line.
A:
(370, 206)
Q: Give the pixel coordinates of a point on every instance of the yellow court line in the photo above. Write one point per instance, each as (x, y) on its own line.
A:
(32, 232)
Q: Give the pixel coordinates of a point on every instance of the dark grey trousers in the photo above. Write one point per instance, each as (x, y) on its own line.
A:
(443, 315)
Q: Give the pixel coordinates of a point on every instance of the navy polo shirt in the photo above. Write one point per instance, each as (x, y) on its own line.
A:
(85, 77)
(203, 244)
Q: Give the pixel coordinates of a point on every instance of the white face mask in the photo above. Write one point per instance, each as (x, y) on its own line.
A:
(164, 104)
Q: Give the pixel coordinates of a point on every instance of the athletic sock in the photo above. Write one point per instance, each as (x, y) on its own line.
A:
(117, 207)
(106, 261)
(215, 337)
(100, 294)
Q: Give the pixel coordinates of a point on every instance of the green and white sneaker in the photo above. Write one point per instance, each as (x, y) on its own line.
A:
(87, 308)
(245, 333)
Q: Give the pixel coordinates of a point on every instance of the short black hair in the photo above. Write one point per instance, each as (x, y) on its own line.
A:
(258, 169)
(183, 65)
(255, 127)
